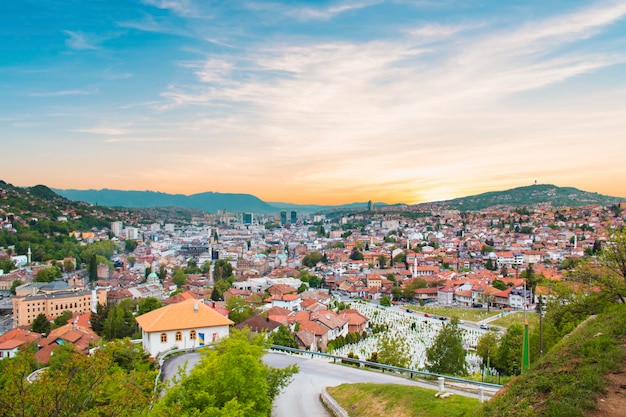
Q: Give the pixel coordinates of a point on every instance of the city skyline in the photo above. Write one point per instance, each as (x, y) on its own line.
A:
(325, 102)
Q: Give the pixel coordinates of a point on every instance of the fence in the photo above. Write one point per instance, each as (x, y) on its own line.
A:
(480, 386)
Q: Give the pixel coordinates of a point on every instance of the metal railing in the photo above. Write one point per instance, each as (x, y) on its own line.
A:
(383, 367)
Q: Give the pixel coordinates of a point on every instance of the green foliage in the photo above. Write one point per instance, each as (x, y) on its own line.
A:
(16, 283)
(409, 290)
(179, 278)
(116, 322)
(7, 265)
(312, 259)
(499, 284)
(385, 301)
(487, 347)
(239, 309)
(62, 319)
(48, 274)
(221, 286)
(41, 324)
(130, 245)
(222, 269)
(148, 304)
(75, 385)
(92, 268)
(356, 254)
(509, 352)
(568, 379)
(393, 351)
(447, 355)
(283, 337)
(382, 261)
(230, 380)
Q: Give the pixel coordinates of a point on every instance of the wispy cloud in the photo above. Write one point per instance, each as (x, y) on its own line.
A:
(322, 101)
(61, 93)
(185, 8)
(80, 41)
(305, 13)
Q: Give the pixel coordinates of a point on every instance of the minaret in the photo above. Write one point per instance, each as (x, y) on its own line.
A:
(415, 266)
(29, 254)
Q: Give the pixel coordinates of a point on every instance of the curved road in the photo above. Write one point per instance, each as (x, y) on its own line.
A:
(301, 397)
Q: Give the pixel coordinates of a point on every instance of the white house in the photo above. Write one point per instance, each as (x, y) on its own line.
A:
(187, 324)
(288, 301)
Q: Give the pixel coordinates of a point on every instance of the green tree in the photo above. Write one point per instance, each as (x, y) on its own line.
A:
(130, 246)
(230, 380)
(487, 347)
(509, 355)
(75, 385)
(385, 301)
(62, 319)
(312, 259)
(179, 278)
(396, 293)
(7, 265)
(447, 355)
(41, 324)
(382, 261)
(16, 283)
(48, 274)
(120, 321)
(68, 265)
(356, 254)
(409, 290)
(498, 284)
(283, 337)
(239, 309)
(393, 351)
(222, 270)
(92, 268)
(148, 304)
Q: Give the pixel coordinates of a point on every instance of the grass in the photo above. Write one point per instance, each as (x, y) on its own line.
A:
(567, 380)
(465, 314)
(374, 400)
(517, 317)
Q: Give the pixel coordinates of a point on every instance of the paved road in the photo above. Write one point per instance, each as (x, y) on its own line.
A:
(301, 397)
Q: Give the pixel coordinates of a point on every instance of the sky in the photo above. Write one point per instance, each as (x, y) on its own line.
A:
(325, 102)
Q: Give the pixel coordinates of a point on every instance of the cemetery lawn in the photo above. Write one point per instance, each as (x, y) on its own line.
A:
(374, 400)
(464, 314)
(517, 318)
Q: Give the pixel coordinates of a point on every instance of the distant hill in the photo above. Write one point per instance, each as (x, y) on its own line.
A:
(531, 195)
(209, 201)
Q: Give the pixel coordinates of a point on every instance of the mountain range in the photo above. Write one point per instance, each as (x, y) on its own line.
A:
(211, 202)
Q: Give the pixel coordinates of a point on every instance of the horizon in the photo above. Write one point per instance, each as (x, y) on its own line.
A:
(328, 101)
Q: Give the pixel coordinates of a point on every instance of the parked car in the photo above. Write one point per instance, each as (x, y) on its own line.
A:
(442, 318)
(484, 326)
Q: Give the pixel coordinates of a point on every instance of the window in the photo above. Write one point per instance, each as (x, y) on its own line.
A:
(179, 336)
(192, 335)
(163, 337)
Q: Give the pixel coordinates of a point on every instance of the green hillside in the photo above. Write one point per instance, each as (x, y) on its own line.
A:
(569, 380)
(530, 195)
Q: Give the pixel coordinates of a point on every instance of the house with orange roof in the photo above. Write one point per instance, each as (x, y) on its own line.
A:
(188, 324)
(357, 322)
(15, 339)
(79, 335)
(288, 301)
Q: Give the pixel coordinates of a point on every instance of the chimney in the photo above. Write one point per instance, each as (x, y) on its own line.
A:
(195, 307)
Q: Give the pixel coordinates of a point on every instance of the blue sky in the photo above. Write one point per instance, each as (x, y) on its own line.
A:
(314, 102)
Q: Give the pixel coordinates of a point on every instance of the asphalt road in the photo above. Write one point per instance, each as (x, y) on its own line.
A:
(301, 397)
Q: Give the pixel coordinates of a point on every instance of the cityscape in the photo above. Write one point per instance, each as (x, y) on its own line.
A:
(312, 208)
(374, 285)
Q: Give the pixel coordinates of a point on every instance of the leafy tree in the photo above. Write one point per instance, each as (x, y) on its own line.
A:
(75, 385)
(7, 265)
(312, 259)
(130, 245)
(393, 351)
(382, 261)
(385, 301)
(48, 274)
(162, 274)
(447, 355)
(400, 258)
(68, 265)
(487, 347)
(239, 309)
(179, 278)
(396, 293)
(356, 255)
(62, 319)
(92, 268)
(409, 290)
(231, 380)
(219, 288)
(41, 324)
(283, 337)
(16, 283)
(302, 288)
(509, 355)
(499, 284)
(148, 304)
(222, 270)
(120, 321)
